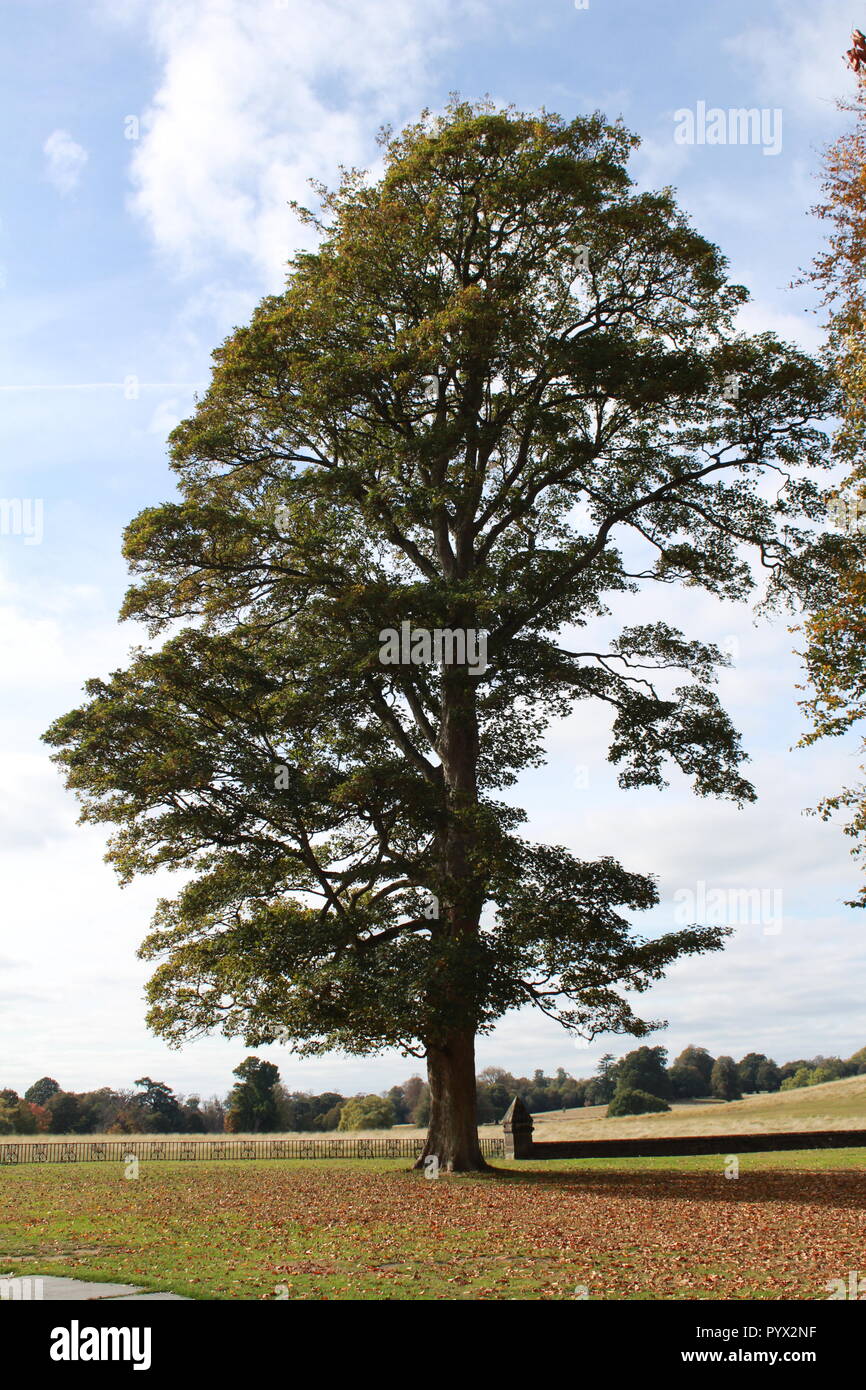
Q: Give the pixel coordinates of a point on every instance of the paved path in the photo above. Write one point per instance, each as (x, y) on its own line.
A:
(54, 1288)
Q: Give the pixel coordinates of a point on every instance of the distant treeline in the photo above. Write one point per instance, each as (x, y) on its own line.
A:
(642, 1081)
(259, 1103)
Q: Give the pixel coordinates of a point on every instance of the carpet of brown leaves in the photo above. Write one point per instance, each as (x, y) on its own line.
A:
(263, 1230)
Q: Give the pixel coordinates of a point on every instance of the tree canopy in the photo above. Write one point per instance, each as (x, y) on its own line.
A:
(504, 390)
(252, 1104)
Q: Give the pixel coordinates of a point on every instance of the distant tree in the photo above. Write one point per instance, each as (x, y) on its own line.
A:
(574, 1094)
(491, 1075)
(398, 1105)
(485, 1109)
(162, 1111)
(252, 1103)
(17, 1117)
(725, 1081)
(701, 1060)
(645, 1069)
(635, 1102)
(822, 1074)
(300, 1114)
(747, 1070)
(41, 1116)
(99, 1108)
(413, 1090)
(598, 1091)
(788, 1069)
(501, 1097)
(536, 1099)
(367, 1112)
(768, 1077)
(687, 1083)
(323, 1104)
(801, 1077)
(42, 1090)
(330, 1119)
(129, 1119)
(603, 1084)
(496, 1099)
(193, 1119)
(606, 1069)
(214, 1114)
(65, 1111)
(420, 1115)
(285, 1109)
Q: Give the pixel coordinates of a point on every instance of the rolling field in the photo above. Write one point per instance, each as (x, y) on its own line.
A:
(835, 1105)
(598, 1229)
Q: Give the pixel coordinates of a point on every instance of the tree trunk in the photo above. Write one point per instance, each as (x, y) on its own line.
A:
(452, 1137)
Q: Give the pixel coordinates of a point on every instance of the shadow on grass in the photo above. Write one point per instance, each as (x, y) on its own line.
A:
(819, 1187)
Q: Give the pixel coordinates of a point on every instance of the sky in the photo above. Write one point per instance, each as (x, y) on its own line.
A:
(149, 154)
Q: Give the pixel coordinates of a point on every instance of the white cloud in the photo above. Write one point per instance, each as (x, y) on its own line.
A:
(659, 160)
(802, 328)
(164, 418)
(65, 161)
(254, 100)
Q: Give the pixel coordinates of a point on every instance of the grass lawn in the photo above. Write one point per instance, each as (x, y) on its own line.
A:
(672, 1228)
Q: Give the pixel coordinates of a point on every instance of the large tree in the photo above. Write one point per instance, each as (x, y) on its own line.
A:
(503, 389)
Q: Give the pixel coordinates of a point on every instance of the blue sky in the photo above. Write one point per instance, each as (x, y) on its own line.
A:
(125, 261)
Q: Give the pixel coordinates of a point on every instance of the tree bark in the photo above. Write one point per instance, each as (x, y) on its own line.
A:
(452, 1137)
